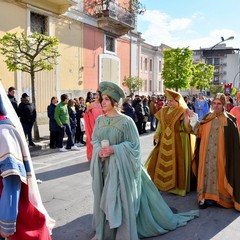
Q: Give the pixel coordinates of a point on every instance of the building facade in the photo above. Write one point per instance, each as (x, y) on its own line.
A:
(44, 17)
(99, 41)
(226, 62)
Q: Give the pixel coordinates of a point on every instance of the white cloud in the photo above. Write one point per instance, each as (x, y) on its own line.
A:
(179, 24)
(159, 27)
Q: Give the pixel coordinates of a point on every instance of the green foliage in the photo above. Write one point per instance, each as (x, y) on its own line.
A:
(31, 53)
(133, 84)
(234, 91)
(137, 7)
(214, 89)
(201, 76)
(177, 68)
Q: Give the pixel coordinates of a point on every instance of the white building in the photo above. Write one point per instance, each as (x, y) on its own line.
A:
(226, 63)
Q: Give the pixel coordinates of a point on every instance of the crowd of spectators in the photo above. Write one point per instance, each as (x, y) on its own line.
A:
(69, 118)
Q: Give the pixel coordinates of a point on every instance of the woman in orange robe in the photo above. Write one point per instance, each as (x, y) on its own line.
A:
(94, 109)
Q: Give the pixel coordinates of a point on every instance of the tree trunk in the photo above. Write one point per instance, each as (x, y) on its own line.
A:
(35, 127)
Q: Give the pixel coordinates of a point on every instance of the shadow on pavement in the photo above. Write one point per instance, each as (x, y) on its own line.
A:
(65, 171)
(79, 229)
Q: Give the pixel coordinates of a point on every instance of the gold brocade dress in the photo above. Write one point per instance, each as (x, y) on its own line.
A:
(169, 164)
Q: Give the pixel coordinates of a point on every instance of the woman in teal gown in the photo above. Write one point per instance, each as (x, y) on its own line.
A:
(127, 204)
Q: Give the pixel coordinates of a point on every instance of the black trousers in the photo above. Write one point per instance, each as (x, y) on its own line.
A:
(54, 139)
(27, 128)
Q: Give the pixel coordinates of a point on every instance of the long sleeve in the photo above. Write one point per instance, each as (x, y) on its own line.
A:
(57, 116)
(50, 111)
(116, 181)
(11, 186)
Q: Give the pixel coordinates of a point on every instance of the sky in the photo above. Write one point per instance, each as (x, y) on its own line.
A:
(190, 23)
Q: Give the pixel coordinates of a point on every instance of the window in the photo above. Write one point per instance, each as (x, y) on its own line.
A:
(110, 44)
(39, 23)
(145, 64)
(216, 61)
(216, 79)
(160, 66)
(145, 85)
(150, 85)
(150, 65)
(209, 61)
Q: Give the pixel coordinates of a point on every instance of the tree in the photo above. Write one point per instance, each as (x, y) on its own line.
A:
(31, 54)
(201, 76)
(234, 91)
(177, 68)
(136, 6)
(133, 84)
(214, 89)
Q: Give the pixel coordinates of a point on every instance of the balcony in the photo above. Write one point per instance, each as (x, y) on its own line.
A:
(56, 6)
(113, 18)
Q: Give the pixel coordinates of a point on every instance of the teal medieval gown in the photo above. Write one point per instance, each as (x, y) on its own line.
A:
(127, 204)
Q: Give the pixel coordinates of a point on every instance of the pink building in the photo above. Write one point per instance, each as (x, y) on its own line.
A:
(106, 47)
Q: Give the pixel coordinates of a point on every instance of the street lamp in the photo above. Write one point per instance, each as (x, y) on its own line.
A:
(222, 40)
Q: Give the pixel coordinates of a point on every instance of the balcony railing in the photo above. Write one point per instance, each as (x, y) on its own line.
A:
(112, 10)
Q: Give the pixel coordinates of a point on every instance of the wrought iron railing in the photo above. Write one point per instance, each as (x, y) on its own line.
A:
(114, 11)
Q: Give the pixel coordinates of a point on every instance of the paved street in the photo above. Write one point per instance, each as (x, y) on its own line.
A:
(67, 195)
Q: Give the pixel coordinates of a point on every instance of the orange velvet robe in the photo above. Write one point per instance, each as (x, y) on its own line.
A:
(216, 172)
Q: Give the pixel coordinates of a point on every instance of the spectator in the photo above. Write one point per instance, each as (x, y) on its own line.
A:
(201, 106)
(135, 100)
(127, 108)
(189, 104)
(53, 127)
(160, 102)
(72, 117)
(193, 100)
(146, 114)
(153, 110)
(80, 108)
(139, 111)
(229, 104)
(89, 97)
(61, 116)
(94, 109)
(27, 114)
(13, 100)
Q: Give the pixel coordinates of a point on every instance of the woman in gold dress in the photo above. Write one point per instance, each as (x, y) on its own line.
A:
(169, 164)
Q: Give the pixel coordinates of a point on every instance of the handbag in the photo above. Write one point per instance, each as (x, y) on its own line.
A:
(82, 125)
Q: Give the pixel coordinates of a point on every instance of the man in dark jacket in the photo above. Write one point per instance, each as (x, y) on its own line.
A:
(13, 100)
(27, 114)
